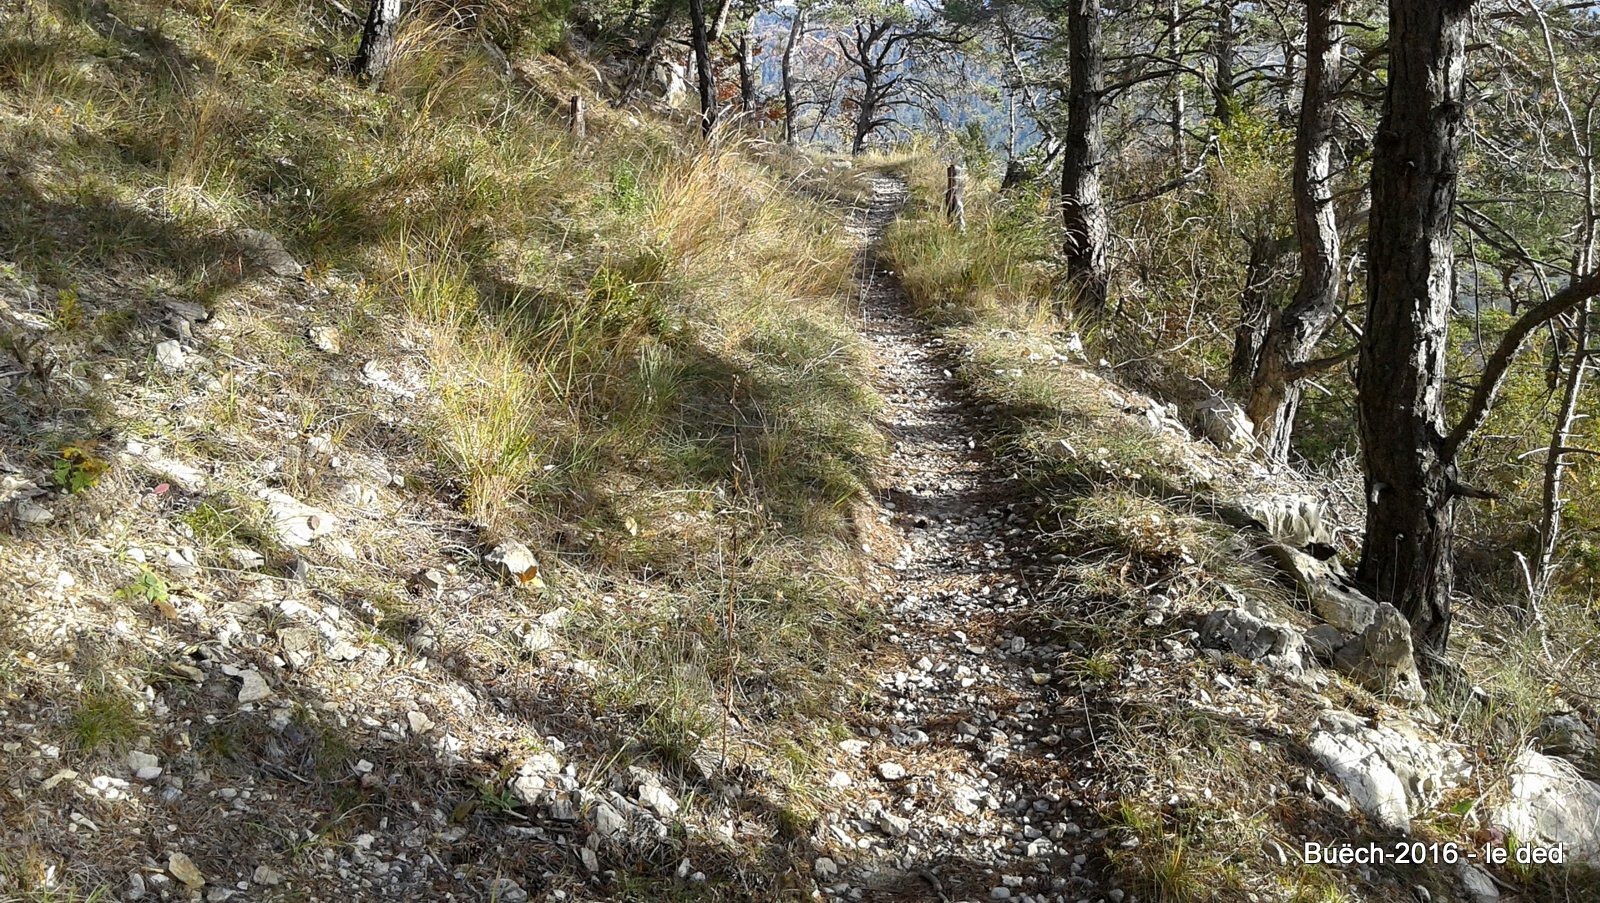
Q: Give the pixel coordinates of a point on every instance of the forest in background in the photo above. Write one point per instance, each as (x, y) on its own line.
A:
(1204, 185)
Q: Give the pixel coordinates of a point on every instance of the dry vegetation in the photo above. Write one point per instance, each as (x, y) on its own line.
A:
(633, 353)
(1202, 759)
(630, 353)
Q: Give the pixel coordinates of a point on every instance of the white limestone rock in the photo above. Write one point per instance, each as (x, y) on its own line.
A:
(1225, 424)
(1391, 771)
(294, 523)
(1552, 803)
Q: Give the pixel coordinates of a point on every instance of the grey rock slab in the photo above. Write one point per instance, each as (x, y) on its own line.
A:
(1295, 520)
(1550, 802)
(607, 821)
(1381, 656)
(1225, 424)
(1479, 886)
(300, 645)
(505, 890)
(32, 513)
(185, 476)
(1324, 640)
(144, 766)
(429, 582)
(180, 866)
(267, 252)
(1332, 593)
(658, 800)
(254, 687)
(1564, 734)
(1242, 633)
(325, 339)
(892, 824)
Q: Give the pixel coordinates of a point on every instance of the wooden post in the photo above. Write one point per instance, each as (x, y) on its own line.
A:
(578, 127)
(955, 208)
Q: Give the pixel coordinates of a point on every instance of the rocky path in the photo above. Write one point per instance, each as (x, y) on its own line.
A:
(972, 786)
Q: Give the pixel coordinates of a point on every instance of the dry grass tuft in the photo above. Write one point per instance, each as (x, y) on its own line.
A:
(635, 355)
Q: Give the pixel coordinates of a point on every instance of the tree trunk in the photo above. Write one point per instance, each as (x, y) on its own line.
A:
(1287, 84)
(719, 25)
(747, 78)
(1409, 467)
(796, 29)
(702, 65)
(1222, 76)
(1555, 462)
(1178, 111)
(1255, 310)
(866, 111)
(1011, 127)
(1274, 387)
(377, 41)
(1083, 212)
(822, 114)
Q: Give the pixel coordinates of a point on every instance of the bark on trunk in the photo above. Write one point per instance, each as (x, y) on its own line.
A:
(822, 115)
(1274, 387)
(1011, 127)
(796, 29)
(1083, 212)
(1409, 467)
(1177, 110)
(702, 65)
(576, 121)
(955, 205)
(1222, 75)
(1555, 462)
(720, 23)
(377, 41)
(866, 111)
(1255, 310)
(747, 78)
(1286, 85)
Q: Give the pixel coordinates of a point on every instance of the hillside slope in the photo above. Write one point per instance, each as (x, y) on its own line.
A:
(382, 466)
(1245, 701)
(407, 499)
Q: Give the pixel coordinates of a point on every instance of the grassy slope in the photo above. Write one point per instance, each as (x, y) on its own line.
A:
(632, 354)
(1200, 752)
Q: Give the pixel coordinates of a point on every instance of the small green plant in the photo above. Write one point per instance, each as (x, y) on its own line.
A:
(103, 717)
(76, 469)
(497, 798)
(147, 587)
(69, 310)
(1100, 666)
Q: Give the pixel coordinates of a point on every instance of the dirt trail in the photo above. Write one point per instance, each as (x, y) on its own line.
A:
(972, 786)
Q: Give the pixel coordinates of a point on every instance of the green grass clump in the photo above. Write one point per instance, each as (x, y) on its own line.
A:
(103, 717)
